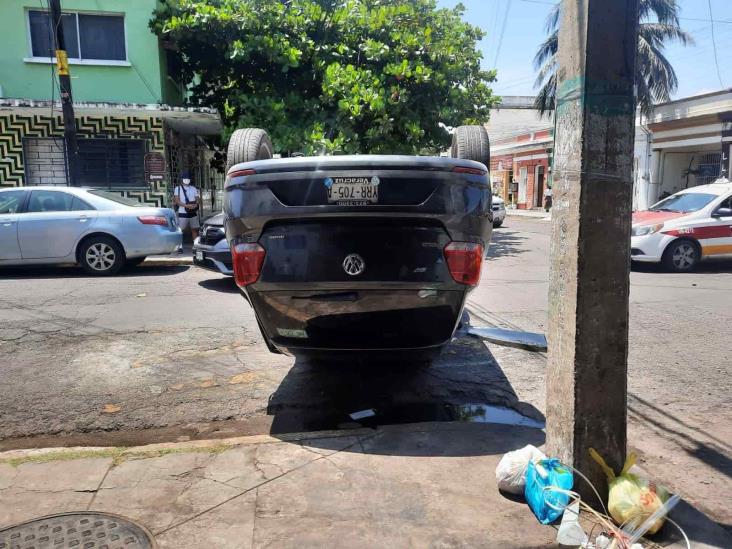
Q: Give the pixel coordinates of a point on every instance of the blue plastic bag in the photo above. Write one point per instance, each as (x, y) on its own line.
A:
(547, 472)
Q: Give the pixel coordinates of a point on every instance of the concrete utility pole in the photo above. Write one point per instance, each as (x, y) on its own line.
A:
(67, 101)
(590, 256)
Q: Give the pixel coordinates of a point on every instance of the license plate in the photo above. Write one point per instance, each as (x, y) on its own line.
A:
(353, 191)
(199, 256)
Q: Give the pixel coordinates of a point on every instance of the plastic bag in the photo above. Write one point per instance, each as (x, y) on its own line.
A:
(631, 499)
(511, 470)
(547, 505)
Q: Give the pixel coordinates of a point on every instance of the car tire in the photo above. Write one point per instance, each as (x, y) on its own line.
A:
(497, 224)
(471, 143)
(246, 145)
(101, 256)
(681, 256)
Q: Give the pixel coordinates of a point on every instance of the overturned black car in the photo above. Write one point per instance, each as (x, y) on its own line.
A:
(354, 254)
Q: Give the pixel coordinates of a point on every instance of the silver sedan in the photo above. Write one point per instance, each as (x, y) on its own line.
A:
(99, 230)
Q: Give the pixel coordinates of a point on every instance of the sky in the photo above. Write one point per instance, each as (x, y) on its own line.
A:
(515, 28)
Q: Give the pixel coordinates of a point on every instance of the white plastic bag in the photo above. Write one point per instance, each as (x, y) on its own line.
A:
(511, 470)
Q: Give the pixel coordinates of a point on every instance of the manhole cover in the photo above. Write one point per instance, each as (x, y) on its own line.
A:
(77, 531)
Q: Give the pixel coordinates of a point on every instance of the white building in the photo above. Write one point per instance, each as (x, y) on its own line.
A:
(683, 144)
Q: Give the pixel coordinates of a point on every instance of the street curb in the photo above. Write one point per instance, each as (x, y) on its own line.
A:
(61, 453)
(168, 261)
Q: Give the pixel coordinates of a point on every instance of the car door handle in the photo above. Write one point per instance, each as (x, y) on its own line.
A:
(83, 219)
(8, 223)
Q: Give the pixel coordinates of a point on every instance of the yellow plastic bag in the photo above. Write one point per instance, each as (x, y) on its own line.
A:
(631, 499)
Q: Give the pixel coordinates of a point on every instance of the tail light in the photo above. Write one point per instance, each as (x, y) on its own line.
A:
(153, 220)
(248, 259)
(466, 169)
(464, 259)
(240, 173)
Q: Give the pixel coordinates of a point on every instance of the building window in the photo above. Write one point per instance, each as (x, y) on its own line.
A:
(112, 163)
(88, 36)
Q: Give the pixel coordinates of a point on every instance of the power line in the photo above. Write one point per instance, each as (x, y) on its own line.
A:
(714, 43)
(503, 30)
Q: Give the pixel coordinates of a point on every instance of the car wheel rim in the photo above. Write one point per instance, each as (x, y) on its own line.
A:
(100, 256)
(684, 256)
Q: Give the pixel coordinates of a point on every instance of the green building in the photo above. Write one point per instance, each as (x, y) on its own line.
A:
(127, 101)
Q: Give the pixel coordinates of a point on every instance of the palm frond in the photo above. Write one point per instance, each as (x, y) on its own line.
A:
(548, 48)
(659, 33)
(552, 20)
(665, 11)
(547, 96)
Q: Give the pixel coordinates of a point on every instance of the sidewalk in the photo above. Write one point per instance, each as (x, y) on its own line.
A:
(185, 258)
(419, 485)
(539, 214)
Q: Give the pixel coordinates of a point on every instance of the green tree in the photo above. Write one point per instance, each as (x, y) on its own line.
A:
(338, 76)
(655, 77)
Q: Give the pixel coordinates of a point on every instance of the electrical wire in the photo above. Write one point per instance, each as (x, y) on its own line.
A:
(503, 30)
(714, 43)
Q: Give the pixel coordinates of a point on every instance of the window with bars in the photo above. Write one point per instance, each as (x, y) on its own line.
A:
(99, 37)
(112, 163)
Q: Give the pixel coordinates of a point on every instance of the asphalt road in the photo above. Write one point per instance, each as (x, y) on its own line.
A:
(170, 353)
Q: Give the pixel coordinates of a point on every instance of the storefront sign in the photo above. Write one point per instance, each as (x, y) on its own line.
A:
(154, 166)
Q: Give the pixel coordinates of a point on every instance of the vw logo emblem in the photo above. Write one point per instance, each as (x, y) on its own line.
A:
(354, 264)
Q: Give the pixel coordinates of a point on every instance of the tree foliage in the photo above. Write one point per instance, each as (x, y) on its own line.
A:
(337, 76)
(655, 77)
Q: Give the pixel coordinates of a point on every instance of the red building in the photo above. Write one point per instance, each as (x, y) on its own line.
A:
(521, 167)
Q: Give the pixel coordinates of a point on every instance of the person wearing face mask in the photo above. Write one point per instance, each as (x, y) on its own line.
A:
(187, 201)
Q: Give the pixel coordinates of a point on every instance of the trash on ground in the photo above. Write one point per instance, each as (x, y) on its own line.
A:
(529, 341)
(570, 532)
(362, 414)
(547, 484)
(511, 470)
(143, 294)
(632, 499)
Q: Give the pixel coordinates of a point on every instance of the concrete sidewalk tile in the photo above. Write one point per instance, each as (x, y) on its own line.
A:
(160, 491)
(31, 490)
(365, 501)
(17, 505)
(229, 526)
(56, 476)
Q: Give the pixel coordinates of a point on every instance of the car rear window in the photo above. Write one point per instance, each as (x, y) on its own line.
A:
(118, 198)
(686, 202)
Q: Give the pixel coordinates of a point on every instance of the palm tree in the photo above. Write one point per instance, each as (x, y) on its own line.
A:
(655, 77)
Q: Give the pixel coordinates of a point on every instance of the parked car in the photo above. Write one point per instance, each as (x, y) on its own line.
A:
(99, 230)
(499, 211)
(685, 228)
(211, 249)
(357, 254)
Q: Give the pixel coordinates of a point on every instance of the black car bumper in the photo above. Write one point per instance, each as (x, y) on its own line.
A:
(214, 260)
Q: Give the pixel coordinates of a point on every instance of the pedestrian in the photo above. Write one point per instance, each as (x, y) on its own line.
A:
(547, 198)
(187, 200)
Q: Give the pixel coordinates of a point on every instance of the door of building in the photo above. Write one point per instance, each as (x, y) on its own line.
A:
(538, 186)
(523, 178)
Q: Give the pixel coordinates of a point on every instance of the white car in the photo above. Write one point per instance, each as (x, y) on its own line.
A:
(685, 228)
(499, 211)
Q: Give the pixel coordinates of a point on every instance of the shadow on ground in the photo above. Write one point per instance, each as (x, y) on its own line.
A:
(20, 273)
(225, 285)
(712, 266)
(465, 385)
(506, 243)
